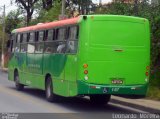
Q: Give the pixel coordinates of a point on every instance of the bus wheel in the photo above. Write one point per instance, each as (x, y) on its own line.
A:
(17, 82)
(100, 99)
(50, 96)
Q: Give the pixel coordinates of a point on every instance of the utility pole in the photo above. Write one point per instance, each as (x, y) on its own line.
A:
(100, 5)
(3, 37)
(100, 2)
(62, 15)
(63, 8)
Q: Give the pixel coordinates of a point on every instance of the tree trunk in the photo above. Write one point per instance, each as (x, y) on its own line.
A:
(29, 14)
(136, 7)
(44, 4)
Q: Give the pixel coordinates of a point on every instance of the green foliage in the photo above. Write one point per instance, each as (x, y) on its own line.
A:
(48, 15)
(13, 20)
(154, 86)
(28, 7)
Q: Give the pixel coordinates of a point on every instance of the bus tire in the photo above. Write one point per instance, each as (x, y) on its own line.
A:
(18, 86)
(100, 99)
(50, 96)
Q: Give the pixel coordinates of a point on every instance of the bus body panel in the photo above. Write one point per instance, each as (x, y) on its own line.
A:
(116, 48)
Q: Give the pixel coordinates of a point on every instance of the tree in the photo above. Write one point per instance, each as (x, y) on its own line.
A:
(47, 4)
(48, 15)
(136, 7)
(83, 6)
(28, 7)
(13, 20)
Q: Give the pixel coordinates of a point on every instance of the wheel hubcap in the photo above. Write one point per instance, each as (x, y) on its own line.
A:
(49, 90)
(16, 80)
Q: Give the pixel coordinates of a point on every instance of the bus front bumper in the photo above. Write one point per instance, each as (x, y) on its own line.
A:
(90, 89)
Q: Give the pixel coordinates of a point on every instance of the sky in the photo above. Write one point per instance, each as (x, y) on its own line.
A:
(10, 7)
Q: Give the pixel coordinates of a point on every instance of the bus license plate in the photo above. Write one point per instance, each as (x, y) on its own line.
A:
(117, 81)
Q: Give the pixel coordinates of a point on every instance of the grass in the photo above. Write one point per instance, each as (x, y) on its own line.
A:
(154, 87)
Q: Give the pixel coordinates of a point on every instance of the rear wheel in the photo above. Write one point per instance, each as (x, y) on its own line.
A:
(17, 82)
(100, 99)
(50, 96)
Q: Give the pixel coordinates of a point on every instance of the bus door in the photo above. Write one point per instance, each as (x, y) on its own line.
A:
(20, 55)
(55, 58)
(30, 62)
(71, 61)
(38, 58)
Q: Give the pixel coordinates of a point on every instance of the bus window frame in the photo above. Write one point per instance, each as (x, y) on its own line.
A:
(31, 41)
(24, 42)
(37, 41)
(17, 46)
(53, 35)
(38, 33)
(75, 40)
(10, 45)
(56, 40)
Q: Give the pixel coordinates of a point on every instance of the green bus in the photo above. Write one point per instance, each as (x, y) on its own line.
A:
(90, 55)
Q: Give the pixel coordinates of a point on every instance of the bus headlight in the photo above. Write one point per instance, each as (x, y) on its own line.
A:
(146, 79)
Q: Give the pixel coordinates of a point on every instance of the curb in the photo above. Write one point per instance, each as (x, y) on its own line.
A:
(4, 69)
(143, 104)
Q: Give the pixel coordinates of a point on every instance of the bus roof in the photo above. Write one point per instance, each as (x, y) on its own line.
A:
(48, 25)
(76, 20)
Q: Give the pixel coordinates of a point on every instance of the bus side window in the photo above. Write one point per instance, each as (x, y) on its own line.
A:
(24, 43)
(72, 43)
(48, 48)
(50, 35)
(10, 43)
(41, 36)
(73, 33)
(31, 43)
(14, 42)
(31, 37)
(61, 34)
(17, 44)
(61, 43)
(39, 44)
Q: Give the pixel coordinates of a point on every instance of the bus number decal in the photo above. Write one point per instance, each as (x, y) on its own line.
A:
(115, 89)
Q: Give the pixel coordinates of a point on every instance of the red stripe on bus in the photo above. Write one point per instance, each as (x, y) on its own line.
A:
(49, 25)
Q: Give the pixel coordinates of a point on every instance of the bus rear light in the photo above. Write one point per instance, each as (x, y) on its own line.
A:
(85, 71)
(86, 77)
(147, 74)
(147, 67)
(85, 65)
(92, 17)
(146, 79)
(93, 87)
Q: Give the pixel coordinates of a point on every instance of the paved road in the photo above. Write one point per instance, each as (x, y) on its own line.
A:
(33, 100)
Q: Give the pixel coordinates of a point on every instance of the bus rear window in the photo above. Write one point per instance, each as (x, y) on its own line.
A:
(117, 33)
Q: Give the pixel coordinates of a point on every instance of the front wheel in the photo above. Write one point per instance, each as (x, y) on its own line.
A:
(18, 86)
(100, 99)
